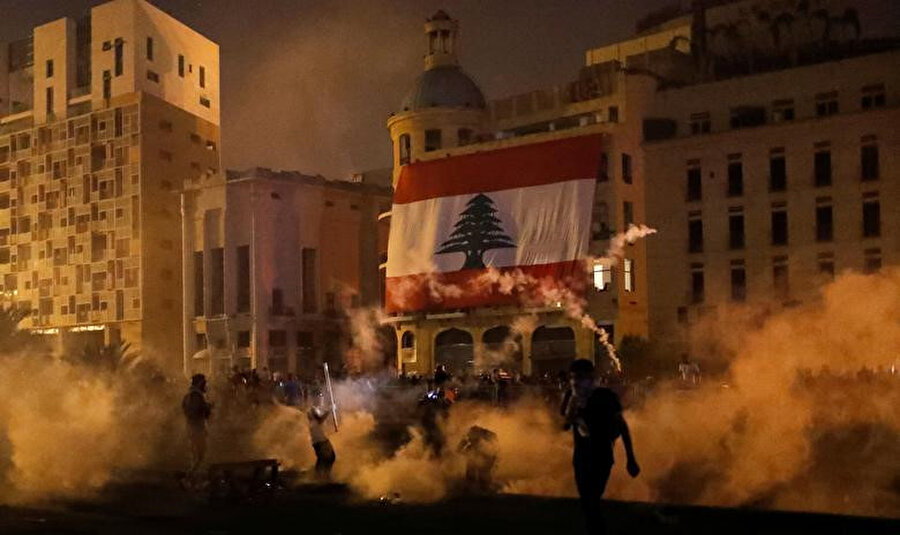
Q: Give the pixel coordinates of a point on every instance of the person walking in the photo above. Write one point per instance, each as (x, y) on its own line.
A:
(594, 413)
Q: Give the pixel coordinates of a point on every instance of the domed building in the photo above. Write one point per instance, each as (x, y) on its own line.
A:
(444, 108)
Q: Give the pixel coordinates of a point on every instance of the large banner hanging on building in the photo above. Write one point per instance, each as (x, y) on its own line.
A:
(524, 209)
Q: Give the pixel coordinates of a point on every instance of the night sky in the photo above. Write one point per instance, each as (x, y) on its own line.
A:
(309, 84)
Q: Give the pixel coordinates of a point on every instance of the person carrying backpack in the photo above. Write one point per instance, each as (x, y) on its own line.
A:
(594, 413)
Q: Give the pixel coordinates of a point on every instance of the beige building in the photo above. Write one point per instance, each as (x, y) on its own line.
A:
(102, 119)
(756, 140)
(275, 263)
(445, 114)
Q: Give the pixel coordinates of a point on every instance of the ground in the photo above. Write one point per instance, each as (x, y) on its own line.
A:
(163, 508)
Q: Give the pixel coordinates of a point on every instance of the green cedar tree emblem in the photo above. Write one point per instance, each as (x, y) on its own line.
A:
(477, 230)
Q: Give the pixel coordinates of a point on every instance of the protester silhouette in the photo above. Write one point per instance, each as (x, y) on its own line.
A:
(594, 414)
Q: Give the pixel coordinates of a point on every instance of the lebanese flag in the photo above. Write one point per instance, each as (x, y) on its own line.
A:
(524, 210)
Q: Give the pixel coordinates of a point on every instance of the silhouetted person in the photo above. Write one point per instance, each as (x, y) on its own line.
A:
(325, 455)
(197, 411)
(595, 416)
(479, 447)
(291, 391)
(441, 376)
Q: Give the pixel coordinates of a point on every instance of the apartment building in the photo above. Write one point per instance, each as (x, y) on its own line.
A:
(271, 281)
(754, 135)
(102, 120)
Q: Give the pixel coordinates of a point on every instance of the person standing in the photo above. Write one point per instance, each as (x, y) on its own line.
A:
(594, 414)
(197, 411)
(325, 455)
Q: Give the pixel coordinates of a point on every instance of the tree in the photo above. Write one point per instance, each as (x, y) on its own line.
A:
(478, 230)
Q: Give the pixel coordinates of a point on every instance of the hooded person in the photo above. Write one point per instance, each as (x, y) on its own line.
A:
(325, 455)
(197, 411)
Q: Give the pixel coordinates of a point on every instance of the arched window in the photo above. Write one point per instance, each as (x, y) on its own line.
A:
(405, 147)
(408, 340)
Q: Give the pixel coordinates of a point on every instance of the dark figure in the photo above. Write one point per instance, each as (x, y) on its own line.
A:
(325, 455)
(595, 416)
(441, 376)
(434, 409)
(197, 411)
(479, 447)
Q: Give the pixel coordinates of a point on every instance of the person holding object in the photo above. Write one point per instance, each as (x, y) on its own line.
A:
(325, 455)
(594, 413)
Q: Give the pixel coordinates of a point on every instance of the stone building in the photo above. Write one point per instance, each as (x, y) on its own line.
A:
(754, 135)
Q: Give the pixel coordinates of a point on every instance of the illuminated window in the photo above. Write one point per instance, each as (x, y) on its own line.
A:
(404, 149)
(602, 276)
(629, 275)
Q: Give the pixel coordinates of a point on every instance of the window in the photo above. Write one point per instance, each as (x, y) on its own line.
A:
(181, 65)
(330, 301)
(629, 274)
(107, 85)
(205, 102)
(600, 222)
(826, 268)
(869, 162)
(308, 264)
(613, 114)
(464, 136)
(150, 49)
(628, 213)
(823, 168)
(165, 126)
(779, 227)
(695, 236)
(404, 148)
(698, 290)
(243, 278)
(217, 281)
(277, 302)
(871, 218)
(152, 76)
(432, 140)
(777, 173)
(626, 168)
(872, 261)
(49, 68)
(782, 110)
(202, 76)
(826, 104)
(736, 231)
(735, 179)
(198, 283)
(603, 170)
(49, 101)
(780, 280)
(243, 339)
(602, 276)
(824, 223)
(120, 57)
(738, 283)
(747, 116)
(699, 124)
(408, 340)
(873, 97)
(694, 184)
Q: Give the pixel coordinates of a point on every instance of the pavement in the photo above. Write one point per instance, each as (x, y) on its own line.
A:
(331, 510)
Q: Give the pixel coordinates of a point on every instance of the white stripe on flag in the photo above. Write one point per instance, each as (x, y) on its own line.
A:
(548, 223)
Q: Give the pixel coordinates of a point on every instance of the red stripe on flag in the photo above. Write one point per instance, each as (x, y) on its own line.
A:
(574, 158)
(471, 288)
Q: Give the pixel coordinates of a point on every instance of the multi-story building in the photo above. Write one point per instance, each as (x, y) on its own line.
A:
(102, 119)
(272, 279)
(754, 135)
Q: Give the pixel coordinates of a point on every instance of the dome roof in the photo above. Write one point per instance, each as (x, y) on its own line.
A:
(445, 86)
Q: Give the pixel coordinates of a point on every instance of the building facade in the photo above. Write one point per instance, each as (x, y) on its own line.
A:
(102, 120)
(754, 135)
(273, 279)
